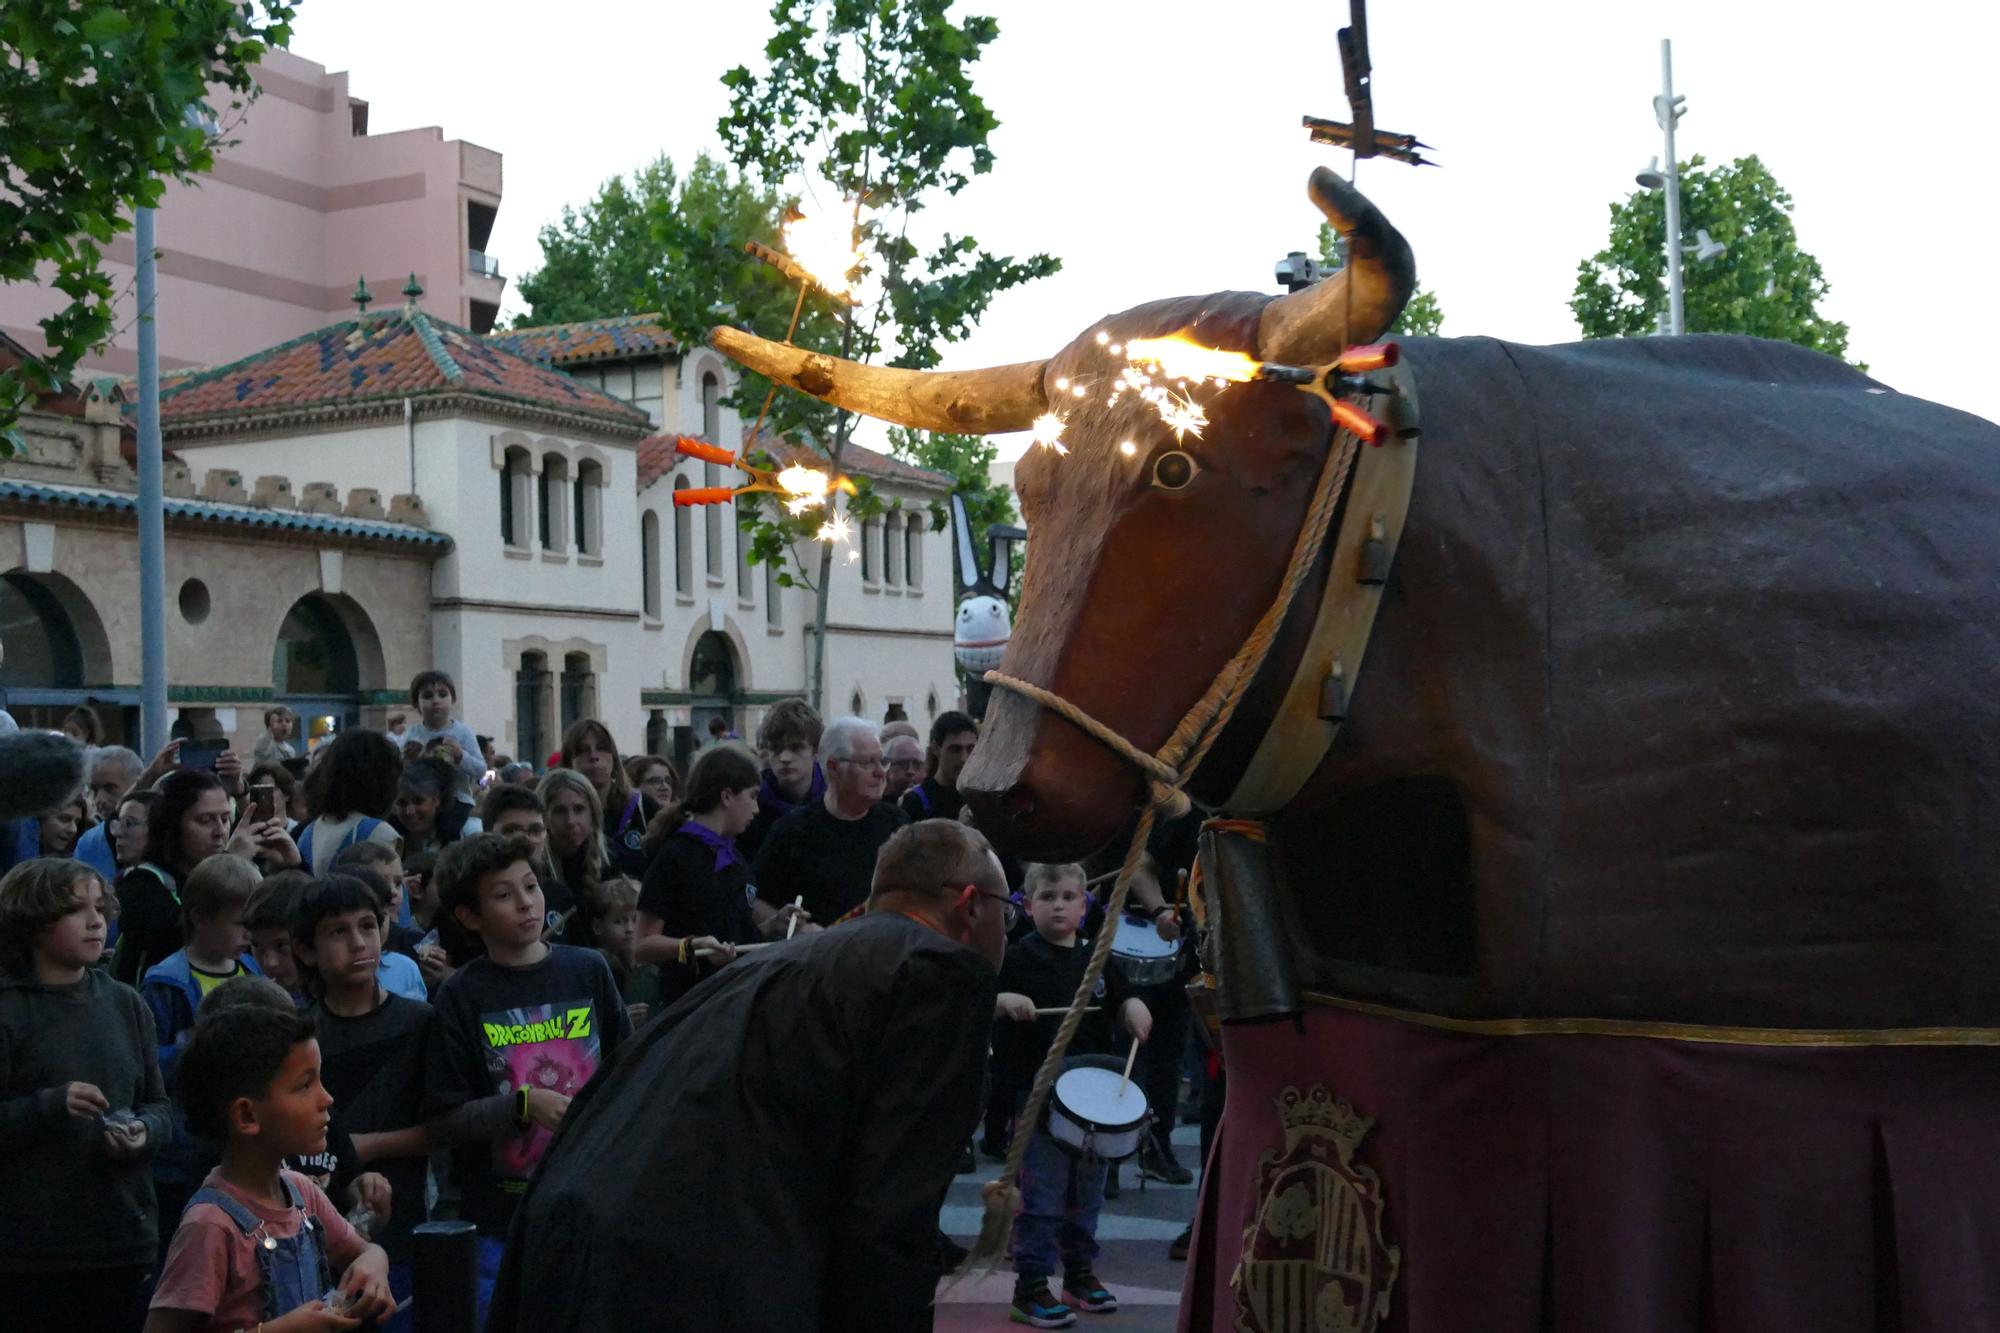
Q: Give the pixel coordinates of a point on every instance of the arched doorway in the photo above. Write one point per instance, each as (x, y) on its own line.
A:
(316, 669)
(715, 690)
(54, 656)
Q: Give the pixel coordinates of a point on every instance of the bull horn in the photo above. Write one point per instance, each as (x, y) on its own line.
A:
(962, 402)
(1355, 305)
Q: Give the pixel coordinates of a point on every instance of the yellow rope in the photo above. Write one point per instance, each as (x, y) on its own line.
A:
(1169, 769)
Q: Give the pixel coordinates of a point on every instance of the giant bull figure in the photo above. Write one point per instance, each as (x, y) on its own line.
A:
(1643, 902)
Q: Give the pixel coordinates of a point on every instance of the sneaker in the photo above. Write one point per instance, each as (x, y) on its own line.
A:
(1086, 1293)
(1034, 1306)
(1156, 1159)
(1177, 1249)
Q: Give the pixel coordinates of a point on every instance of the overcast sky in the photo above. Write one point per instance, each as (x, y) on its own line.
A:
(1156, 149)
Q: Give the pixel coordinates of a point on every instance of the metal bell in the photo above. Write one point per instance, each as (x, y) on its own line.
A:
(1374, 556)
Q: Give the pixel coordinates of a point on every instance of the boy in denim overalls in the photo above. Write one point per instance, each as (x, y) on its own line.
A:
(258, 1244)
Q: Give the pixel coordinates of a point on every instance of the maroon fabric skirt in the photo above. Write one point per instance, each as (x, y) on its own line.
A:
(1597, 1184)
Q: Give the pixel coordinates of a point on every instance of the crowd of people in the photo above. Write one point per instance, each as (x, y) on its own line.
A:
(261, 1017)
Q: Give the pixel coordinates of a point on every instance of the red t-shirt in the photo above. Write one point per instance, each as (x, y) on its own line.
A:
(212, 1266)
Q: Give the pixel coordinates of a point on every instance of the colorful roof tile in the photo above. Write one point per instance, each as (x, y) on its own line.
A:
(123, 502)
(398, 354)
(588, 340)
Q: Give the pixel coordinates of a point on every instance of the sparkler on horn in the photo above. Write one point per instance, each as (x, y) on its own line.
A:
(802, 487)
(815, 255)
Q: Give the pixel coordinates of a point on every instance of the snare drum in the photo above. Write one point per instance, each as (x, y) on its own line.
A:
(1089, 1114)
(1143, 958)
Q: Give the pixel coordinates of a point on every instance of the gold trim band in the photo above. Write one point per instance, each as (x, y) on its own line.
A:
(1625, 1027)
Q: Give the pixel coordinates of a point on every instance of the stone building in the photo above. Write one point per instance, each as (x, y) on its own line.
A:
(309, 596)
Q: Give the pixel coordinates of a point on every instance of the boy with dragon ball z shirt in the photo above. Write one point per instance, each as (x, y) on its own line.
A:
(518, 1032)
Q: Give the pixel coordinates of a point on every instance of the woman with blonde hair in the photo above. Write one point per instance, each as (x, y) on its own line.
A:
(576, 847)
(587, 748)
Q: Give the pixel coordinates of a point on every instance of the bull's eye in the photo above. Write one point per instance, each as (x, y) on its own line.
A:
(1174, 471)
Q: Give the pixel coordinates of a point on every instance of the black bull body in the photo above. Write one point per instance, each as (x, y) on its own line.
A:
(1642, 906)
(1682, 704)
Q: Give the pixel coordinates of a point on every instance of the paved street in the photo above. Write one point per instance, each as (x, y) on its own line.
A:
(1134, 1231)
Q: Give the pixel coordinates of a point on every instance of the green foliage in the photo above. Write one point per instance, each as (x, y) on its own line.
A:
(968, 461)
(92, 96)
(872, 103)
(1422, 316)
(1763, 284)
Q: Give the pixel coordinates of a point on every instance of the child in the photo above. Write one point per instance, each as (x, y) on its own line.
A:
(618, 940)
(275, 745)
(268, 918)
(435, 694)
(372, 1046)
(76, 1048)
(212, 907)
(381, 868)
(259, 1243)
(1060, 1193)
(518, 1033)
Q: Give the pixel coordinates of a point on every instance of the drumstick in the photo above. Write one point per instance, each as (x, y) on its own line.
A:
(1063, 1009)
(1131, 1058)
(741, 948)
(798, 904)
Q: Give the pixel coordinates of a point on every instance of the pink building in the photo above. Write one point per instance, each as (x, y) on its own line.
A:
(268, 245)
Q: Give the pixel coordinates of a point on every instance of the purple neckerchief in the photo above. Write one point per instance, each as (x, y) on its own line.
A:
(774, 800)
(726, 854)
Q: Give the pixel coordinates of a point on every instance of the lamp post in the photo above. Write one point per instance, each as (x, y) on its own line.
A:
(1667, 110)
(152, 515)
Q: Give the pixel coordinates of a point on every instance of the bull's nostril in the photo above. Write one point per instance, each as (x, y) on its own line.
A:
(1019, 802)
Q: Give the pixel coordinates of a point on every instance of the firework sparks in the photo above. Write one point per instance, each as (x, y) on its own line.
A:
(1048, 429)
(838, 530)
(805, 483)
(826, 246)
(1179, 357)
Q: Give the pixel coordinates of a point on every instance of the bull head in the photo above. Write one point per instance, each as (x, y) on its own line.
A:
(1150, 564)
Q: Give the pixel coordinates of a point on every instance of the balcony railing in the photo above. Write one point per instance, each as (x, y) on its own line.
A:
(485, 265)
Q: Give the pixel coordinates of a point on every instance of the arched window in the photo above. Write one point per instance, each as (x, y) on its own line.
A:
(531, 711)
(712, 670)
(579, 690)
(711, 532)
(746, 585)
(683, 545)
(649, 563)
(314, 652)
(871, 555)
(892, 550)
(711, 408)
(515, 478)
(589, 509)
(774, 608)
(552, 519)
(913, 552)
(39, 648)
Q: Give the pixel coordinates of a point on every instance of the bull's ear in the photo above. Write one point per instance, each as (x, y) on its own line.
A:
(964, 549)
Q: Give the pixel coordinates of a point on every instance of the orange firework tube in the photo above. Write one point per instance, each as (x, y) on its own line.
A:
(704, 495)
(707, 453)
(1346, 415)
(1373, 356)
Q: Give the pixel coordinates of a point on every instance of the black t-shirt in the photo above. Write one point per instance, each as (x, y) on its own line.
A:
(831, 861)
(929, 800)
(497, 1029)
(149, 922)
(373, 1066)
(625, 835)
(1049, 974)
(691, 897)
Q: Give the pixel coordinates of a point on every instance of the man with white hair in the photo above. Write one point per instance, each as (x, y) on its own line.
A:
(114, 770)
(824, 851)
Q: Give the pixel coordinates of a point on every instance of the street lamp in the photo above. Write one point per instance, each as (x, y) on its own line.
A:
(1668, 110)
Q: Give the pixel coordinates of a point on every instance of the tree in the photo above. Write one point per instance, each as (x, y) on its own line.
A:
(1421, 316)
(1762, 284)
(873, 100)
(93, 101)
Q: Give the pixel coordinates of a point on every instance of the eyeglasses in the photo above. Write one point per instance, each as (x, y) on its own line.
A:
(1000, 898)
(877, 762)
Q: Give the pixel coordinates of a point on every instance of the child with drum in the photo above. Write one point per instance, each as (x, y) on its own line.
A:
(1094, 1118)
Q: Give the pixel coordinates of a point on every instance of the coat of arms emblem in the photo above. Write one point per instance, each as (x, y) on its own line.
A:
(1315, 1259)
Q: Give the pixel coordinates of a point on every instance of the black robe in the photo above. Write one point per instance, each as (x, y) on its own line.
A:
(771, 1153)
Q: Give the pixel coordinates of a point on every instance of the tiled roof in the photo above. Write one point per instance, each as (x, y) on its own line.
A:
(121, 502)
(398, 354)
(589, 340)
(657, 457)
